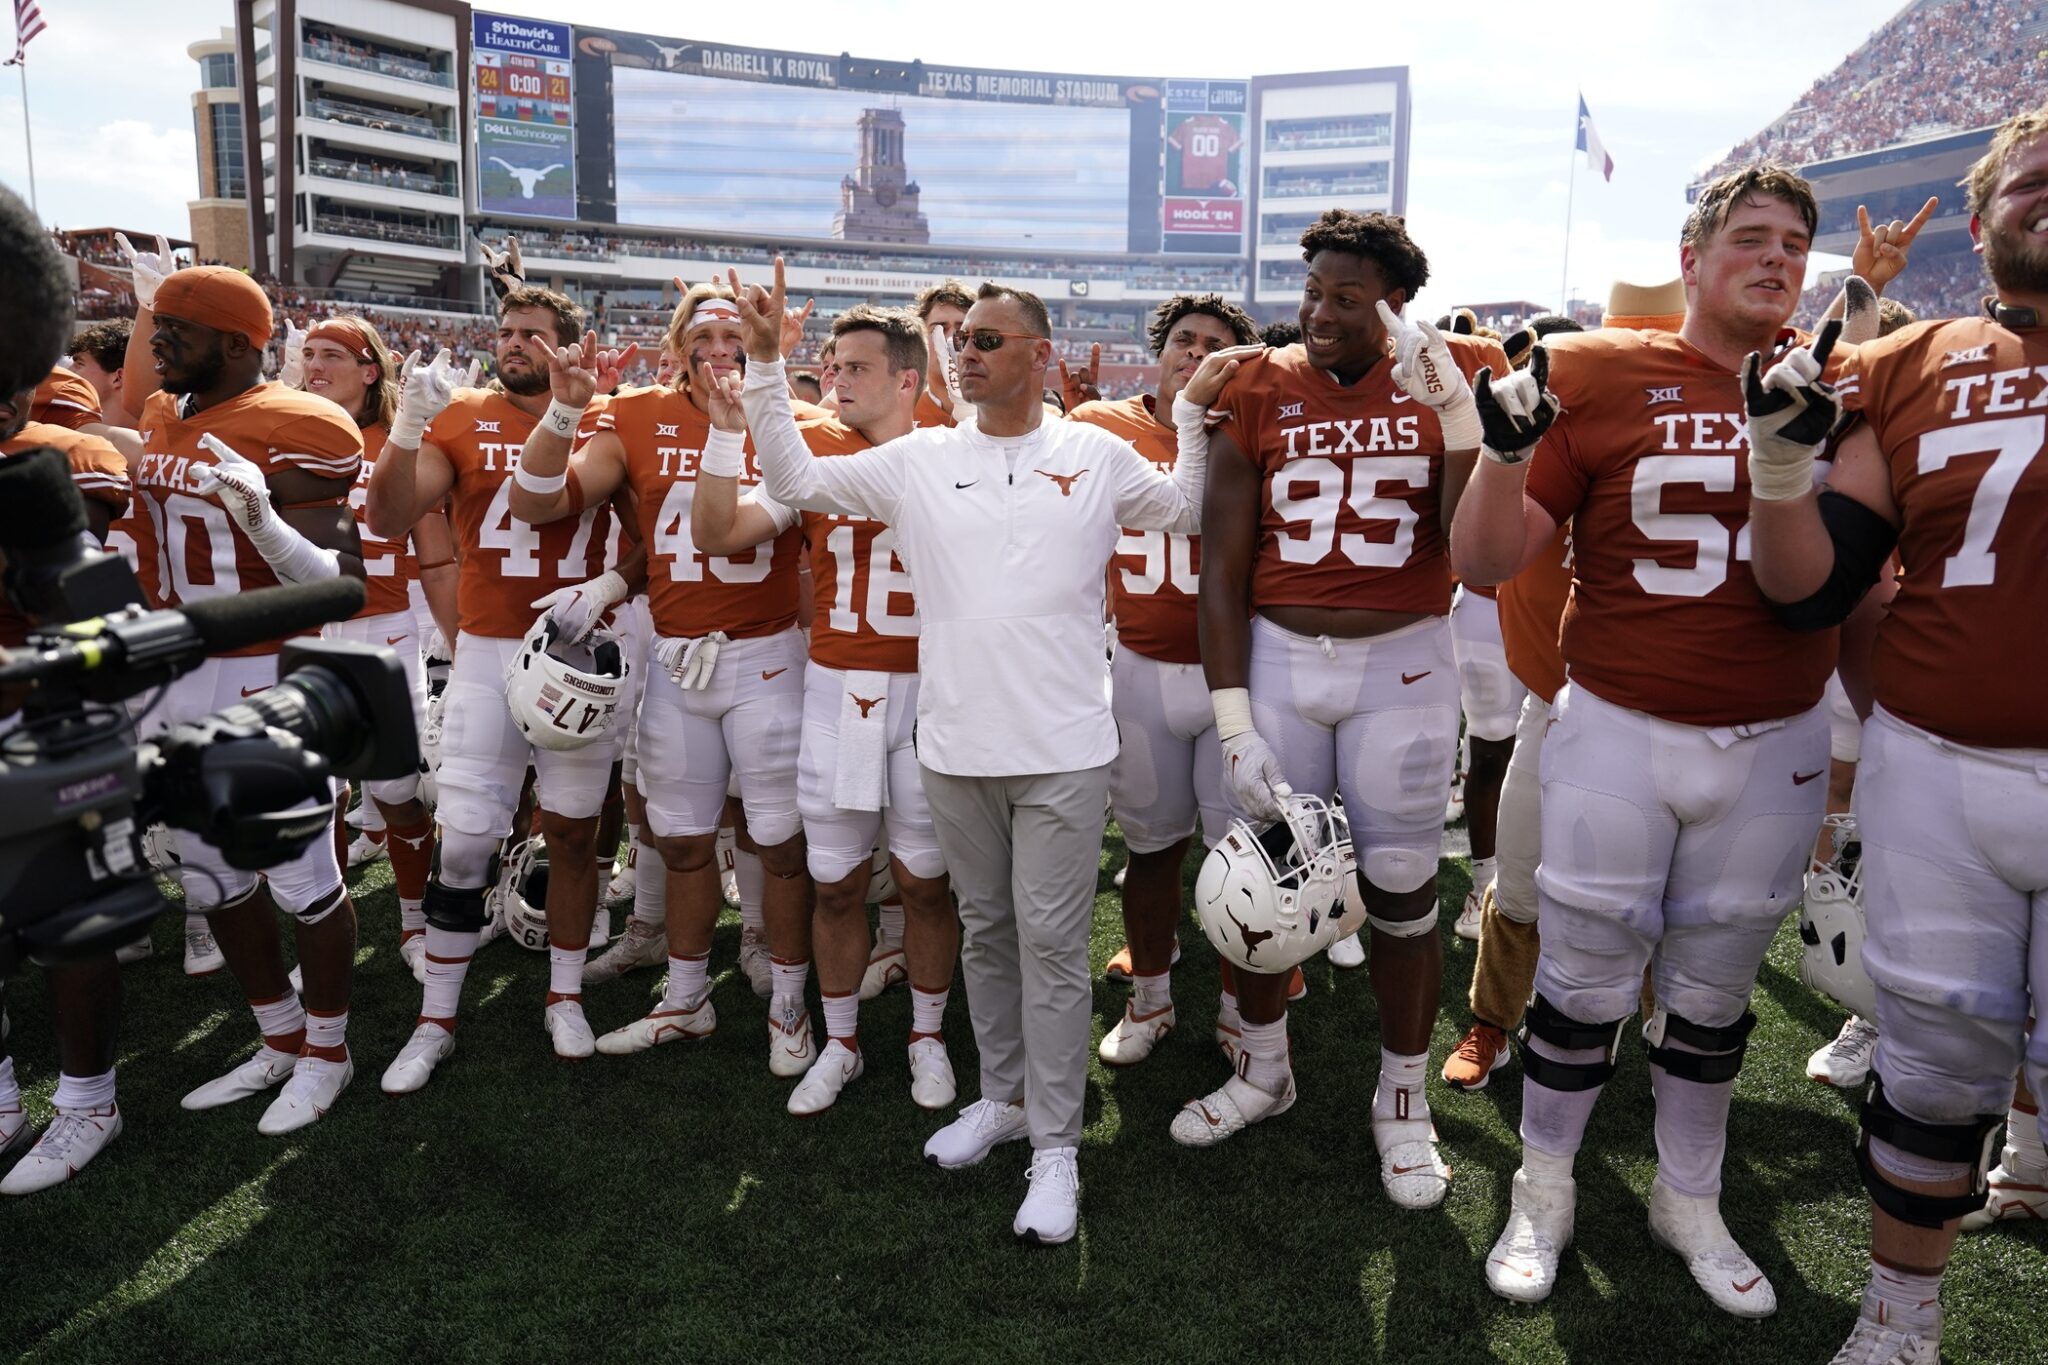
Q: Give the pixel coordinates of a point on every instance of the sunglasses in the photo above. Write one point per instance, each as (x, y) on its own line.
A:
(988, 339)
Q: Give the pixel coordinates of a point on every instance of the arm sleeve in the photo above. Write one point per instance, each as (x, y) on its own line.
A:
(1148, 500)
(783, 515)
(869, 484)
(1863, 541)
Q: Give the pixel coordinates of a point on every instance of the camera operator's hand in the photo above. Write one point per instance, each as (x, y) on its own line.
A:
(236, 485)
(291, 365)
(577, 610)
(428, 389)
(147, 268)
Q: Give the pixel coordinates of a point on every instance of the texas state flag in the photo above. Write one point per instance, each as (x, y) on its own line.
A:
(1589, 142)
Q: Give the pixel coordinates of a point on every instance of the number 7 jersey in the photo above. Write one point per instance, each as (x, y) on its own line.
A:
(506, 563)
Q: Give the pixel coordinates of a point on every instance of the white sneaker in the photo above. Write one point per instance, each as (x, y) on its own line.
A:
(364, 851)
(1469, 917)
(931, 1075)
(625, 880)
(412, 951)
(133, 952)
(600, 929)
(1223, 1113)
(2015, 1194)
(1692, 1227)
(1454, 807)
(1133, 1037)
(1874, 1343)
(203, 956)
(669, 1022)
(570, 1031)
(1412, 1172)
(642, 945)
(791, 1049)
(1845, 1062)
(837, 1067)
(428, 1047)
(982, 1127)
(1541, 1212)
(73, 1138)
(1347, 952)
(1120, 874)
(266, 1069)
(1051, 1208)
(754, 962)
(315, 1085)
(887, 966)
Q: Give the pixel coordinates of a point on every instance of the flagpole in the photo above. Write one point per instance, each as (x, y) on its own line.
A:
(1564, 287)
(30, 143)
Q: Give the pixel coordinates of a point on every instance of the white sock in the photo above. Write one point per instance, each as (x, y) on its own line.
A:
(1484, 872)
(2023, 1149)
(689, 978)
(1400, 1094)
(1554, 1121)
(83, 1092)
(650, 888)
(891, 925)
(842, 1016)
(1152, 992)
(1902, 1299)
(448, 954)
(411, 918)
(1264, 1061)
(10, 1092)
(752, 878)
(789, 977)
(280, 1017)
(1538, 1162)
(565, 969)
(326, 1030)
(1226, 1012)
(927, 1010)
(1692, 1128)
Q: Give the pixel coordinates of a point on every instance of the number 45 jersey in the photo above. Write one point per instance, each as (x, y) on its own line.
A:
(506, 563)
(1960, 411)
(1649, 461)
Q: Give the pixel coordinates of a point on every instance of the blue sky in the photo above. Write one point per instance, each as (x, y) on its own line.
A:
(1672, 85)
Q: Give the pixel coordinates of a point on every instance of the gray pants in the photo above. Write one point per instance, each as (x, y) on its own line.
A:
(1023, 852)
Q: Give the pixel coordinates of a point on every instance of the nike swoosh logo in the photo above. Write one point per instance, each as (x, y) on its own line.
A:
(252, 691)
(776, 674)
(1410, 678)
(969, 484)
(1411, 1170)
(394, 639)
(1801, 779)
(1525, 1274)
(1745, 1288)
(1208, 1117)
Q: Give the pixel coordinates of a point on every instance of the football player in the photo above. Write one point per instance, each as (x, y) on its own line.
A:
(98, 356)
(1325, 588)
(1945, 466)
(460, 445)
(941, 308)
(1681, 768)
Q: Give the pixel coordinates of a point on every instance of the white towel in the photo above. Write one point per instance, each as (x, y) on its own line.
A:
(862, 782)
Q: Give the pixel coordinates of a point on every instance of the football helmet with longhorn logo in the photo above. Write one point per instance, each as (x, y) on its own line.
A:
(566, 695)
(1831, 923)
(1270, 900)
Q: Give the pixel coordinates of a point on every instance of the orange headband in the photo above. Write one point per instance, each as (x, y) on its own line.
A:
(348, 336)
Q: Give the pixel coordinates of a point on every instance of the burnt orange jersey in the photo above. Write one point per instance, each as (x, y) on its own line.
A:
(387, 564)
(863, 614)
(930, 414)
(200, 551)
(1650, 463)
(691, 593)
(1960, 410)
(65, 399)
(507, 564)
(100, 473)
(1154, 578)
(1531, 607)
(1350, 498)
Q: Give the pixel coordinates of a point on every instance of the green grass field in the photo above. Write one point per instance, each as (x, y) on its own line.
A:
(665, 1207)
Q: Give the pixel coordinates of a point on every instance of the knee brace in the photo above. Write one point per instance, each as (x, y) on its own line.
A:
(1398, 870)
(1720, 1054)
(1424, 923)
(459, 910)
(1973, 1144)
(1546, 1021)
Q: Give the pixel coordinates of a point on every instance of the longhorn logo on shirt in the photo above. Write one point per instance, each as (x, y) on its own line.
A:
(1674, 394)
(491, 427)
(866, 704)
(1288, 410)
(1065, 481)
(1969, 355)
(667, 429)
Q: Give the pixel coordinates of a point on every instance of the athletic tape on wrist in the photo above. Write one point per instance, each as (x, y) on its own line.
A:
(725, 455)
(540, 484)
(562, 419)
(1233, 708)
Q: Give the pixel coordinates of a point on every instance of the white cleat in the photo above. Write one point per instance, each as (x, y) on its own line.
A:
(297, 976)
(1052, 1207)
(1692, 1227)
(1412, 1172)
(600, 928)
(492, 928)
(982, 1127)
(266, 1069)
(412, 951)
(73, 1138)
(642, 945)
(1223, 1113)
(1467, 926)
(837, 1067)
(1133, 1037)
(1541, 1211)
(887, 966)
(315, 1085)
(931, 1075)
(1347, 952)
(1875, 1343)
(364, 851)
(625, 881)
(754, 962)
(569, 1030)
(1120, 872)
(669, 1022)
(428, 1047)
(1844, 1062)
(2016, 1194)
(203, 956)
(1454, 806)
(791, 1049)
(14, 1129)
(133, 952)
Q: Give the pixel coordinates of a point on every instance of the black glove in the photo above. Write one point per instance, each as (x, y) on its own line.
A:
(1516, 412)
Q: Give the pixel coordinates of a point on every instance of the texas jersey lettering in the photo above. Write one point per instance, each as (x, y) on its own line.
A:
(1155, 576)
(864, 617)
(98, 471)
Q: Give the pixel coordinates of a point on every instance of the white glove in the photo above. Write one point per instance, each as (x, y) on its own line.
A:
(148, 267)
(690, 662)
(577, 610)
(291, 368)
(243, 491)
(428, 389)
(1424, 369)
(1790, 414)
(1252, 773)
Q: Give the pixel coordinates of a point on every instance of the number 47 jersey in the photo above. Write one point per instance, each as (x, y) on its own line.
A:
(506, 563)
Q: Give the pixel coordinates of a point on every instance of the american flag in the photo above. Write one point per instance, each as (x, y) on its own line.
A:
(28, 22)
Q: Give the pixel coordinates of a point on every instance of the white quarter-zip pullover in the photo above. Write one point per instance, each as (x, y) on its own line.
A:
(1007, 541)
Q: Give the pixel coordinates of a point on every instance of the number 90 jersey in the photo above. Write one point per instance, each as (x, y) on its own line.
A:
(1649, 461)
(506, 563)
(1960, 410)
(1351, 487)
(1155, 578)
(690, 593)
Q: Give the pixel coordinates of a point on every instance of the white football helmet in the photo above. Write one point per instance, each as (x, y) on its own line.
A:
(1271, 900)
(881, 881)
(1831, 923)
(520, 898)
(430, 753)
(562, 695)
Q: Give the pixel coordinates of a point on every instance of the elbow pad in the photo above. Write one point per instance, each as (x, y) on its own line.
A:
(1863, 540)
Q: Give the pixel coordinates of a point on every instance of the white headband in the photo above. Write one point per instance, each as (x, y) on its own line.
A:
(713, 310)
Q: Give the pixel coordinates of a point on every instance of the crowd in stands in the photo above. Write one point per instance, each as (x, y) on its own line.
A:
(1939, 66)
(1324, 181)
(351, 223)
(389, 174)
(1296, 135)
(328, 46)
